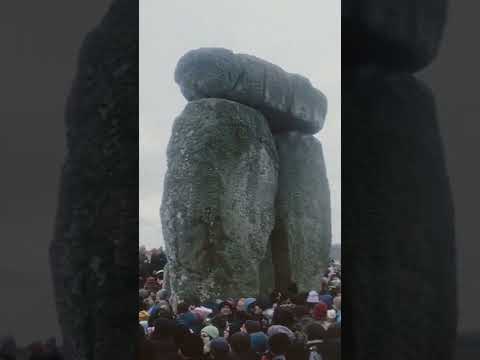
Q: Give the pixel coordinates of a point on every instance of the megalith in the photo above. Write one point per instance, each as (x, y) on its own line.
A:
(288, 101)
(94, 253)
(218, 204)
(397, 221)
(302, 235)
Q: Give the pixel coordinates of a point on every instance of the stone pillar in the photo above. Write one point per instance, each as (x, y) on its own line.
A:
(218, 203)
(397, 216)
(94, 253)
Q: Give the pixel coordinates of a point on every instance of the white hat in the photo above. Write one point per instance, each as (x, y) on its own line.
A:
(313, 297)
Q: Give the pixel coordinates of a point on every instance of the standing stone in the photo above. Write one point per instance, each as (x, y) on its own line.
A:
(94, 254)
(397, 221)
(288, 101)
(301, 238)
(399, 35)
(218, 204)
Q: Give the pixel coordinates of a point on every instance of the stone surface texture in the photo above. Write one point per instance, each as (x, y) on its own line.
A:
(397, 221)
(94, 253)
(288, 101)
(302, 235)
(400, 35)
(218, 205)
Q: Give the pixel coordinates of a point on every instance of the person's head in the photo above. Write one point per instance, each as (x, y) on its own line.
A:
(251, 326)
(279, 344)
(313, 297)
(315, 331)
(219, 349)
(240, 343)
(259, 342)
(319, 311)
(337, 303)
(331, 315)
(283, 316)
(191, 347)
(240, 305)
(162, 294)
(182, 308)
(208, 333)
(249, 304)
(276, 297)
(225, 308)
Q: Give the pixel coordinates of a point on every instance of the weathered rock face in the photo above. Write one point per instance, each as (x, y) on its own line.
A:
(401, 35)
(218, 203)
(302, 235)
(94, 255)
(288, 101)
(397, 221)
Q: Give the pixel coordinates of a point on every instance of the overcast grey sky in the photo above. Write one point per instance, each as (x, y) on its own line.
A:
(302, 37)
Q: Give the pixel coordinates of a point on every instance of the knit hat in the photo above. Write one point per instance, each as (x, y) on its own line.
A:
(319, 311)
(211, 331)
(312, 297)
(280, 329)
(327, 299)
(259, 342)
(249, 302)
(220, 348)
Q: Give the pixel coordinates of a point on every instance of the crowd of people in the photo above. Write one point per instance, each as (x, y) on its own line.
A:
(287, 325)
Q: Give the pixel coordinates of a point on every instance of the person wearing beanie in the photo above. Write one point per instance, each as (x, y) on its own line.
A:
(248, 304)
(259, 342)
(208, 333)
(319, 311)
(219, 349)
(280, 329)
(188, 318)
(327, 299)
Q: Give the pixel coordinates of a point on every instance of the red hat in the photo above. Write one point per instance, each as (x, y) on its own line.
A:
(320, 311)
